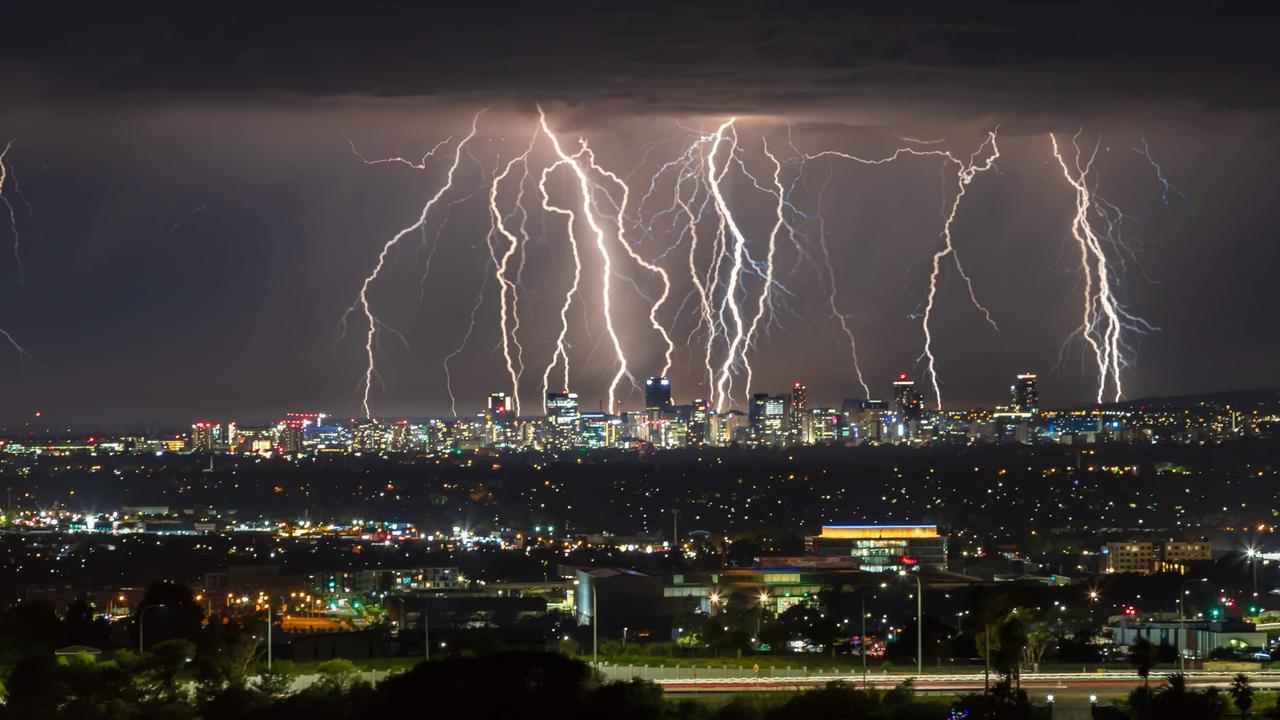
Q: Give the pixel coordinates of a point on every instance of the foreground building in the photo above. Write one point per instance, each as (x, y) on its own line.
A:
(884, 548)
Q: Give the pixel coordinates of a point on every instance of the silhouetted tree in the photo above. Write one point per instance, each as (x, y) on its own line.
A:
(1142, 656)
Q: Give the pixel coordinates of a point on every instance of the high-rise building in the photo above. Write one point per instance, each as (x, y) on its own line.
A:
(403, 437)
(906, 401)
(657, 393)
(1024, 394)
(799, 408)
(769, 417)
(289, 436)
(202, 436)
(369, 436)
(497, 403)
(562, 408)
(698, 421)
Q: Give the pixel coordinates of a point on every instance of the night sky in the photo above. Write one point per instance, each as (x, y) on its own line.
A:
(198, 222)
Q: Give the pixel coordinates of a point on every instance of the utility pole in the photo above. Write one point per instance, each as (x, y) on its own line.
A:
(142, 614)
(919, 622)
(1182, 624)
(675, 528)
(595, 625)
(426, 632)
(863, 641)
(986, 653)
(269, 624)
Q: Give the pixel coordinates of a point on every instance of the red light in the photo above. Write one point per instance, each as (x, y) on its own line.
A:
(1231, 602)
(908, 560)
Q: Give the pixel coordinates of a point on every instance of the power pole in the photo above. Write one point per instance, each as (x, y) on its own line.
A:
(269, 624)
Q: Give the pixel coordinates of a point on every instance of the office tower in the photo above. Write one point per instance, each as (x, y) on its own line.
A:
(799, 411)
(906, 401)
(1024, 394)
(202, 436)
(657, 393)
(698, 419)
(768, 417)
(562, 408)
(289, 436)
(369, 436)
(403, 437)
(497, 403)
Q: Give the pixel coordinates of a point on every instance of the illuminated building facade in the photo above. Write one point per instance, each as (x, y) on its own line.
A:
(907, 403)
(657, 393)
(202, 436)
(768, 418)
(884, 548)
(799, 417)
(698, 423)
(1024, 394)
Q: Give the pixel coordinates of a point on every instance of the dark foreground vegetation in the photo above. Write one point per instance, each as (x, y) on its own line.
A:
(171, 683)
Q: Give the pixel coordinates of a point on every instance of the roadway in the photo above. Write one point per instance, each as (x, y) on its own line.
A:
(1072, 693)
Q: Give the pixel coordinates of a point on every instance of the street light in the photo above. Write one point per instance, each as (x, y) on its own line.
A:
(142, 614)
(595, 625)
(1252, 553)
(919, 621)
(761, 599)
(1182, 624)
(269, 624)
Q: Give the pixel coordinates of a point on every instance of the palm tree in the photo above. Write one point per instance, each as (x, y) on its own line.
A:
(1142, 656)
(1242, 693)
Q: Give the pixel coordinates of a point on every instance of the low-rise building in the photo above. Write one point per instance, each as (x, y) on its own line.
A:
(884, 548)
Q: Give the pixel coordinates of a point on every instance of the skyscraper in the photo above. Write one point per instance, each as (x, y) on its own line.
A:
(657, 393)
(799, 408)
(202, 436)
(1024, 393)
(369, 436)
(769, 417)
(698, 421)
(497, 403)
(289, 435)
(906, 401)
(562, 408)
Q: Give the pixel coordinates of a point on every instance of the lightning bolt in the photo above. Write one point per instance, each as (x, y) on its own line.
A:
(588, 213)
(362, 300)
(1165, 185)
(735, 270)
(964, 175)
(13, 217)
(1104, 321)
(13, 223)
(766, 290)
(832, 293)
(562, 350)
(507, 291)
(966, 170)
(420, 165)
(656, 270)
(462, 344)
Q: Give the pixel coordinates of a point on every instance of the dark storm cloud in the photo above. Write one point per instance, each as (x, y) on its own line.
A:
(203, 224)
(658, 56)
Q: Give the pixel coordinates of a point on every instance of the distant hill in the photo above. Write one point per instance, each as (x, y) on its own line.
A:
(1268, 398)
